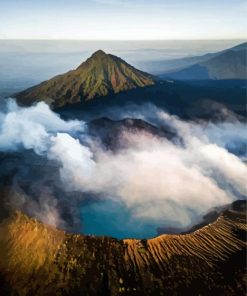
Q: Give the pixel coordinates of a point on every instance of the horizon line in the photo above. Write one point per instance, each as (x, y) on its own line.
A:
(118, 40)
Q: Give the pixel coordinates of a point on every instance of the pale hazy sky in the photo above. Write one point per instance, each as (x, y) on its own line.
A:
(123, 19)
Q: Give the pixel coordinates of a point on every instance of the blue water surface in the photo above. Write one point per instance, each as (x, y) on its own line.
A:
(113, 218)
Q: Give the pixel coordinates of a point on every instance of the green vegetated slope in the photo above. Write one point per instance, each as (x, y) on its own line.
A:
(100, 75)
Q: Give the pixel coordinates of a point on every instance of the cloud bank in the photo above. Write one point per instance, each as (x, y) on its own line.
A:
(31, 128)
(158, 180)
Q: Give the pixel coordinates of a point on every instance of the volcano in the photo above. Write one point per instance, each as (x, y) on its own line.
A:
(43, 260)
(100, 75)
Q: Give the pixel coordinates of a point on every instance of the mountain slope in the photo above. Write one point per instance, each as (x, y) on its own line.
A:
(228, 64)
(173, 65)
(42, 260)
(110, 132)
(100, 75)
(164, 66)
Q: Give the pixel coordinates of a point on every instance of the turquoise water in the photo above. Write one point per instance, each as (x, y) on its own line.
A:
(112, 218)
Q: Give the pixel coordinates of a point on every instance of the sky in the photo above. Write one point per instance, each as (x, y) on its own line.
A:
(123, 19)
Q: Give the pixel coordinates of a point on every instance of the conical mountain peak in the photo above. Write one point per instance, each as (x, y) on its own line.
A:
(99, 53)
(100, 75)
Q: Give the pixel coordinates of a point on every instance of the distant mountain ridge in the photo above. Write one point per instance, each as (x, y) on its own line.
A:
(105, 80)
(100, 75)
(227, 64)
(172, 65)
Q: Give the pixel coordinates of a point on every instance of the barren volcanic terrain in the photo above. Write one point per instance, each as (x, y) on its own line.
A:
(42, 260)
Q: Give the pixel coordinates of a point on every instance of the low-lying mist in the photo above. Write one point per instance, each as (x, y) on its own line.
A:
(170, 182)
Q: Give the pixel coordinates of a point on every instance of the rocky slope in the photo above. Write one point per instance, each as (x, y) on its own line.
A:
(100, 75)
(111, 132)
(38, 259)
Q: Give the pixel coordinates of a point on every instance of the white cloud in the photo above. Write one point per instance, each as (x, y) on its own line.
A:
(155, 178)
(32, 127)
